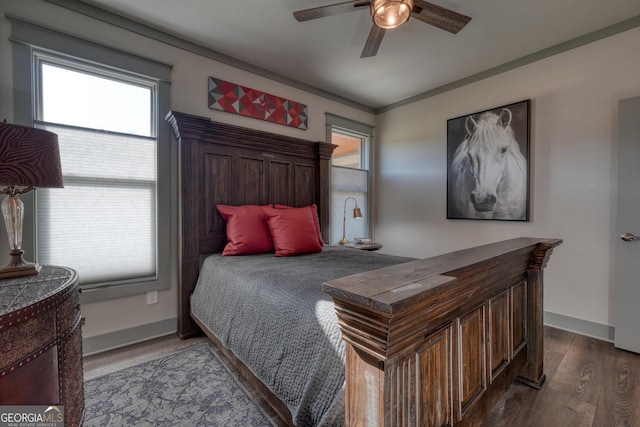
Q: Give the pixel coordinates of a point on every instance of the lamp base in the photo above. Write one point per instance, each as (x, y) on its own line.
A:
(343, 241)
(18, 267)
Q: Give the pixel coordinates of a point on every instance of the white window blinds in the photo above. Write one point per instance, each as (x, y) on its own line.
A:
(102, 223)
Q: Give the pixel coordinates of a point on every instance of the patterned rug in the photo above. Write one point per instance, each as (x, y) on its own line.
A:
(189, 388)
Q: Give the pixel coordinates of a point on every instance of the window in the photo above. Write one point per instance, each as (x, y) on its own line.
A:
(349, 151)
(103, 222)
(350, 178)
(112, 220)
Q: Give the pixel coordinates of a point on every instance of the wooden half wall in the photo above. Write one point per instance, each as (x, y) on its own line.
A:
(437, 342)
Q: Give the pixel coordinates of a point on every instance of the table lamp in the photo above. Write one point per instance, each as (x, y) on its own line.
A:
(356, 214)
(29, 158)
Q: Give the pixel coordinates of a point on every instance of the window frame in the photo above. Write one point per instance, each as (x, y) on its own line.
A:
(28, 40)
(366, 133)
(42, 57)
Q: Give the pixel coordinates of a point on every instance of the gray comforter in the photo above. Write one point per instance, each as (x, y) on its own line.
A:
(271, 312)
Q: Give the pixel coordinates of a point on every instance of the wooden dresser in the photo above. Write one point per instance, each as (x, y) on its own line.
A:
(41, 342)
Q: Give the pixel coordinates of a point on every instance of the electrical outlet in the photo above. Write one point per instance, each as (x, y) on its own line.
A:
(152, 297)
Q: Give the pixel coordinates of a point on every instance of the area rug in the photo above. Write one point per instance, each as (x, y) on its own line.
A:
(189, 388)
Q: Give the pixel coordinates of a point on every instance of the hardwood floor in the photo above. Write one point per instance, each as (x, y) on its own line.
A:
(589, 382)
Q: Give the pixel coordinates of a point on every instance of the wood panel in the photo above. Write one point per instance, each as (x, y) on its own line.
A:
(217, 180)
(518, 317)
(280, 183)
(364, 393)
(250, 186)
(471, 359)
(418, 384)
(499, 332)
(404, 390)
(434, 380)
(304, 182)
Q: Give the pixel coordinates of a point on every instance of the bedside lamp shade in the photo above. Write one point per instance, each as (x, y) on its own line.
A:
(29, 158)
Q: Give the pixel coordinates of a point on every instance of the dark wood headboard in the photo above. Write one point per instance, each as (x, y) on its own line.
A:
(231, 165)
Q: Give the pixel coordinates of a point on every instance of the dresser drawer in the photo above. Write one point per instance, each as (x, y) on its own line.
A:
(35, 382)
(25, 337)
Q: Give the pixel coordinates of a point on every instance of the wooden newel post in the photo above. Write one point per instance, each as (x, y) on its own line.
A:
(533, 374)
(438, 341)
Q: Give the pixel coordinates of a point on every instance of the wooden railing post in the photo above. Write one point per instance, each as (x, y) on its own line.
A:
(533, 374)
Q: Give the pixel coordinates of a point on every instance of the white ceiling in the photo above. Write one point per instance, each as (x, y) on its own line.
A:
(413, 59)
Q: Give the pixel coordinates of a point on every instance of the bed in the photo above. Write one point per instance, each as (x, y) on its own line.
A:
(282, 324)
(422, 342)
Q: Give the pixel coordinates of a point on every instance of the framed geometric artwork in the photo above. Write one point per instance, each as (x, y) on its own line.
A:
(233, 98)
(488, 164)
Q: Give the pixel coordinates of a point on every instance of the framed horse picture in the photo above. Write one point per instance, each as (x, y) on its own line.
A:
(488, 164)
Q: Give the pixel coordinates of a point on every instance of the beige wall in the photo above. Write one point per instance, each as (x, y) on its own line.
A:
(574, 117)
(188, 94)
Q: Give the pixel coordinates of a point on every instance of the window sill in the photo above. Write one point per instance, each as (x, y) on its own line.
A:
(121, 290)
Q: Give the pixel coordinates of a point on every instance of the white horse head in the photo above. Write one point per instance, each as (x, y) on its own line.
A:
(488, 173)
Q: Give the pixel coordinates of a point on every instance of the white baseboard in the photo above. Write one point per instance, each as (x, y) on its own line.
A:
(579, 326)
(117, 339)
(124, 337)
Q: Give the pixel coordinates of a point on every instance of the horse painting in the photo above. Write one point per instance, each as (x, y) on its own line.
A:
(488, 172)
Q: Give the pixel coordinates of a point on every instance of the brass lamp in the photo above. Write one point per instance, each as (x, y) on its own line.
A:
(388, 14)
(356, 214)
(29, 158)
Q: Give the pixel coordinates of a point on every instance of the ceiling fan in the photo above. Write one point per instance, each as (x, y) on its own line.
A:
(388, 14)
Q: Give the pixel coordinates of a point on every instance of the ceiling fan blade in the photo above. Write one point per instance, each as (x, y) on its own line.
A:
(373, 42)
(332, 9)
(438, 16)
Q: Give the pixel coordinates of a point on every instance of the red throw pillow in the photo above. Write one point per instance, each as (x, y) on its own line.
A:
(314, 213)
(293, 231)
(247, 230)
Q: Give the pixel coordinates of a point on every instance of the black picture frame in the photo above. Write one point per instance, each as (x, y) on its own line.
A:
(488, 164)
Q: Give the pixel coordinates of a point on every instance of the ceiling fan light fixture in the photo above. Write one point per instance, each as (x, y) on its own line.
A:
(388, 14)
